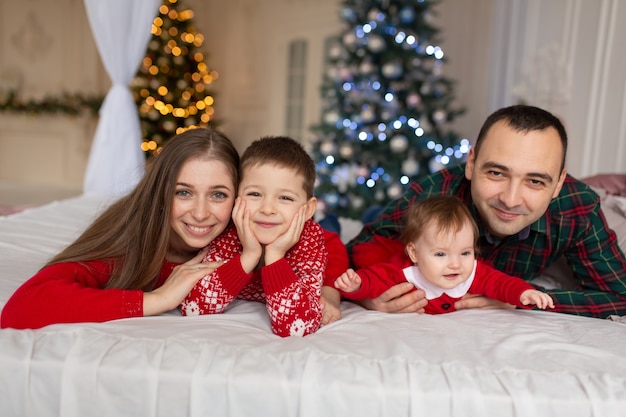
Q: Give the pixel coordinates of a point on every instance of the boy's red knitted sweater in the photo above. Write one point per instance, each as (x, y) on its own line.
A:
(290, 287)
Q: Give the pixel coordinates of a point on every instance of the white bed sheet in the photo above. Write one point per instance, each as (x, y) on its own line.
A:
(468, 363)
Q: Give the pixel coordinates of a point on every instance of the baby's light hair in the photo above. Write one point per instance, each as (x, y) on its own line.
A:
(446, 213)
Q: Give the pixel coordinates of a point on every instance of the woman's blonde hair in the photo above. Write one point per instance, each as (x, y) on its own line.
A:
(134, 232)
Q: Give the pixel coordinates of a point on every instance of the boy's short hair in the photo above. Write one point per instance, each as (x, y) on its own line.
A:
(446, 212)
(284, 152)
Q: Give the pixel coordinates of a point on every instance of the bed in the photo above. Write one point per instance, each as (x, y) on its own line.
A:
(467, 363)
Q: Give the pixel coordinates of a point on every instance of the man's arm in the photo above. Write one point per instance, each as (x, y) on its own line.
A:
(600, 266)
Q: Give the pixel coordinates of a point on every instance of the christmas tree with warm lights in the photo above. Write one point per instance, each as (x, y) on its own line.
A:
(386, 107)
(171, 88)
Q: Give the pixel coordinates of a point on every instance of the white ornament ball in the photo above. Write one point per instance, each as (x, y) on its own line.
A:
(349, 39)
(410, 167)
(375, 15)
(331, 118)
(413, 100)
(375, 43)
(440, 116)
(398, 143)
(346, 151)
(366, 68)
(169, 126)
(327, 148)
(362, 172)
(335, 51)
(394, 191)
(357, 202)
(154, 115)
(367, 114)
(392, 70)
(345, 74)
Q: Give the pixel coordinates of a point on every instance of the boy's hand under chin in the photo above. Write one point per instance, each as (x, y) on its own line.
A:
(252, 249)
(279, 247)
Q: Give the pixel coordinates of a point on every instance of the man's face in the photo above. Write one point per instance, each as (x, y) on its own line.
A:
(515, 176)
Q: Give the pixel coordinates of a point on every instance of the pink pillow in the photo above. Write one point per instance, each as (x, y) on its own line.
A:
(614, 184)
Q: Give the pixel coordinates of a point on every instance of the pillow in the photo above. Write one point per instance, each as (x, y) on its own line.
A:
(614, 184)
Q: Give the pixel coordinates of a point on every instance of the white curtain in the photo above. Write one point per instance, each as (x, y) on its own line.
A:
(121, 29)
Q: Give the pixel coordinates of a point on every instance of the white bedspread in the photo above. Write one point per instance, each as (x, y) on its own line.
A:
(468, 363)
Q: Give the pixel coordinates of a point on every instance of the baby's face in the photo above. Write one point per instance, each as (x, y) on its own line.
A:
(444, 259)
(273, 195)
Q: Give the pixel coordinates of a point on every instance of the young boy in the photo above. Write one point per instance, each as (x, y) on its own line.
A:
(439, 239)
(275, 252)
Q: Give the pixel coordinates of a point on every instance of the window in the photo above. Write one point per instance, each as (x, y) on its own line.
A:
(296, 81)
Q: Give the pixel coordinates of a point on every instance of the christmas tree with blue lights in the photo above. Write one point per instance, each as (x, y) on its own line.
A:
(386, 107)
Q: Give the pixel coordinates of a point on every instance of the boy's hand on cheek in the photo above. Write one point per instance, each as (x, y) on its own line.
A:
(277, 249)
(252, 249)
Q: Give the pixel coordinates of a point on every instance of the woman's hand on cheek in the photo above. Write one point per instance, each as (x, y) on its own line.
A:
(279, 247)
(252, 249)
(178, 285)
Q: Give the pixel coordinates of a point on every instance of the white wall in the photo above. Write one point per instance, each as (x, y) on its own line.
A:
(248, 41)
(568, 57)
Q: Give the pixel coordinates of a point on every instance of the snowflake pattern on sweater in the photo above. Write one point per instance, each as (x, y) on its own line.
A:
(290, 287)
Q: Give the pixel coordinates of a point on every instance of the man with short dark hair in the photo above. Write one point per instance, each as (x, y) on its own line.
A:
(529, 212)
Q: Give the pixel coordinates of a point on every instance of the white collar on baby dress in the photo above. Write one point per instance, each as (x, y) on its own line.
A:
(414, 276)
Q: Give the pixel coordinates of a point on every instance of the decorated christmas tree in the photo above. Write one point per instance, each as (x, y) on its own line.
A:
(386, 107)
(171, 88)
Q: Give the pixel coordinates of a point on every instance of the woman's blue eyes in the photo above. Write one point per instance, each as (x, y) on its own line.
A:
(218, 195)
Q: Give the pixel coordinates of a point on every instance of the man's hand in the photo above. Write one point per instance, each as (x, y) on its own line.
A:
(398, 299)
(481, 302)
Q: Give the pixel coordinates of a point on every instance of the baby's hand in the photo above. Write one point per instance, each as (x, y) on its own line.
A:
(540, 299)
(349, 281)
